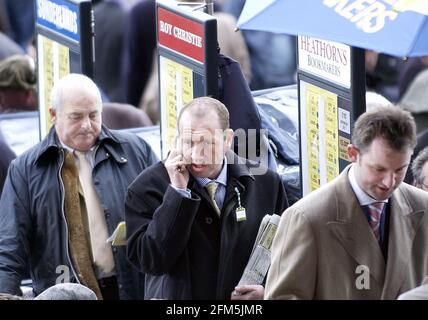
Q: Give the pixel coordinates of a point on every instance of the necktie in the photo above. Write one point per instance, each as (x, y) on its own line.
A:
(375, 213)
(101, 250)
(212, 188)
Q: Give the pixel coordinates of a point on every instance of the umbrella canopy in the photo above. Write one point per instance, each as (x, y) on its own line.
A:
(395, 27)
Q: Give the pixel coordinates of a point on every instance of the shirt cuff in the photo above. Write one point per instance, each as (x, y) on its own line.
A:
(184, 192)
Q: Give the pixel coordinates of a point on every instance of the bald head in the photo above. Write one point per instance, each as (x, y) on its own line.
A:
(74, 87)
(76, 111)
(202, 106)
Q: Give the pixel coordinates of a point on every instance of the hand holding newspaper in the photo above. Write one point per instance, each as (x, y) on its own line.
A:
(259, 262)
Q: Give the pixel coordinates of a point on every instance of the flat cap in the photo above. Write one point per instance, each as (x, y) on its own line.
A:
(18, 72)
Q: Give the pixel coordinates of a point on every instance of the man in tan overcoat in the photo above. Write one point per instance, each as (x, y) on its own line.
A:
(364, 235)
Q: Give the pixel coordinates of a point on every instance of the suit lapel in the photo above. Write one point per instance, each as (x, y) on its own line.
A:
(351, 228)
(404, 221)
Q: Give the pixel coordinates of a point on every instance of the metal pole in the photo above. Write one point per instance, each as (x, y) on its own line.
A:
(210, 6)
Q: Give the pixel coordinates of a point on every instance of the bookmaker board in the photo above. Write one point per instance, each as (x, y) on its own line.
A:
(187, 59)
(65, 44)
(331, 86)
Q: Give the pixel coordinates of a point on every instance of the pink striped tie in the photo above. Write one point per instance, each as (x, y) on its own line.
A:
(375, 212)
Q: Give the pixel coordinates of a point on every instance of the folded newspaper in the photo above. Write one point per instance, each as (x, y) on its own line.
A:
(118, 238)
(259, 262)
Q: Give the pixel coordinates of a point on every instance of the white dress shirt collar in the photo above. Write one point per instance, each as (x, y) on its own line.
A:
(363, 198)
(221, 179)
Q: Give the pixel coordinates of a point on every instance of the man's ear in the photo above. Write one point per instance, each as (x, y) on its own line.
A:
(52, 113)
(353, 152)
(229, 138)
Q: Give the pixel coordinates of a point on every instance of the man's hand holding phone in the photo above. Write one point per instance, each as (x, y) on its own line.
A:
(175, 164)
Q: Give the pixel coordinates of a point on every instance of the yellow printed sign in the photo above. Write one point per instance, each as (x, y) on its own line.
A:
(343, 148)
(322, 136)
(313, 137)
(331, 136)
(54, 63)
(64, 61)
(48, 77)
(178, 87)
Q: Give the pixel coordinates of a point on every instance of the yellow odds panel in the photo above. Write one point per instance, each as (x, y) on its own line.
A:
(54, 63)
(177, 87)
(320, 143)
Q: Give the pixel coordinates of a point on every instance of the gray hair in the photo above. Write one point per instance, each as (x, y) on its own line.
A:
(417, 165)
(67, 291)
(70, 83)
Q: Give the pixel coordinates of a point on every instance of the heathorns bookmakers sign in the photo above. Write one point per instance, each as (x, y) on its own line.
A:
(325, 59)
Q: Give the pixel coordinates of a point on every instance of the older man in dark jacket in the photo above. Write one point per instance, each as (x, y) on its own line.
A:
(192, 220)
(56, 219)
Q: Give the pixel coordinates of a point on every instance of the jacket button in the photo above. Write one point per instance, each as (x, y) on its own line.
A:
(208, 220)
(107, 154)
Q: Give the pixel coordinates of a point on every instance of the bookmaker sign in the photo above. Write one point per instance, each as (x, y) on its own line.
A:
(326, 59)
(180, 34)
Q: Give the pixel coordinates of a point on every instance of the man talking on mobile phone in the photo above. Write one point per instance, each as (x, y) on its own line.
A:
(192, 219)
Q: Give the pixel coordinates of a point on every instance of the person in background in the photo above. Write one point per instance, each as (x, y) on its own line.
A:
(364, 235)
(420, 170)
(8, 47)
(64, 197)
(272, 56)
(109, 46)
(139, 45)
(18, 82)
(6, 157)
(19, 21)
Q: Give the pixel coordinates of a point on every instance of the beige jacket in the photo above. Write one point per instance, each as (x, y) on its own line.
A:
(324, 241)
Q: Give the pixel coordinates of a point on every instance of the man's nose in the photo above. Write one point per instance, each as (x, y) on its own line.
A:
(389, 179)
(86, 122)
(197, 153)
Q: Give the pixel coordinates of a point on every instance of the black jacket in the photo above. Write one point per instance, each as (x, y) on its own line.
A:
(33, 229)
(185, 249)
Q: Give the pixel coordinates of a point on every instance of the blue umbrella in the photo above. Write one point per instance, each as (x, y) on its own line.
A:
(395, 27)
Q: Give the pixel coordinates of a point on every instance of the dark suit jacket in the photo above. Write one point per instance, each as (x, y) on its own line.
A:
(110, 21)
(185, 249)
(6, 156)
(138, 49)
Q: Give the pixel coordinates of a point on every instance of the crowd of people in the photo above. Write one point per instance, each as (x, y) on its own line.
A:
(189, 222)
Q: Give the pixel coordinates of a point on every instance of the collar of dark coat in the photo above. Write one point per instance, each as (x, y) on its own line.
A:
(50, 145)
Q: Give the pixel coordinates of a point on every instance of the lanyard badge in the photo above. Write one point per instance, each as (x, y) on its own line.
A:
(240, 211)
